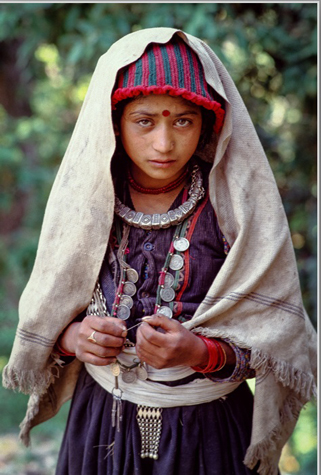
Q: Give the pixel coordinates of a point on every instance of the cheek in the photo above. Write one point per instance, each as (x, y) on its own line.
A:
(134, 144)
(193, 140)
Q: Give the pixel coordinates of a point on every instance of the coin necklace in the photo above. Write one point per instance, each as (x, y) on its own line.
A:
(166, 284)
(123, 302)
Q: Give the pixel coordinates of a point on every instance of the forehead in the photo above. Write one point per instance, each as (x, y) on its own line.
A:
(162, 101)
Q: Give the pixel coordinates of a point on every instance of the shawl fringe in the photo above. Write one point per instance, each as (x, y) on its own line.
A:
(302, 383)
(261, 452)
(26, 425)
(29, 381)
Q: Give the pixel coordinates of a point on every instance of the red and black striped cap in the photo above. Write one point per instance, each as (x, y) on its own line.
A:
(171, 68)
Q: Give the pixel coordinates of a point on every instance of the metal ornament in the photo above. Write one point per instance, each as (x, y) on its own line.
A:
(149, 421)
(127, 300)
(169, 280)
(141, 372)
(129, 288)
(172, 217)
(92, 337)
(132, 275)
(166, 311)
(98, 305)
(123, 312)
(167, 294)
(115, 369)
(181, 244)
(176, 262)
(129, 377)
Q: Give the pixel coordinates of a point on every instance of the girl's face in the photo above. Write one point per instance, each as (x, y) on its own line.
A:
(160, 134)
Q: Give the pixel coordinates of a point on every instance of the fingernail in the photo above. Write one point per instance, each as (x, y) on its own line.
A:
(146, 318)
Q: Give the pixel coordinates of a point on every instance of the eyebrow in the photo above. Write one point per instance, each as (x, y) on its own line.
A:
(150, 114)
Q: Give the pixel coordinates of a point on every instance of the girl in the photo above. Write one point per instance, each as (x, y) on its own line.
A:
(165, 277)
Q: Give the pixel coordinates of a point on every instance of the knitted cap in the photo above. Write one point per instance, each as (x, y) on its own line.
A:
(172, 67)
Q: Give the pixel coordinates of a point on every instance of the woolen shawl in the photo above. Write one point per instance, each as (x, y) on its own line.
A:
(255, 300)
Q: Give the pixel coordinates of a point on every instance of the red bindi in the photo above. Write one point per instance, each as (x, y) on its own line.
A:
(165, 113)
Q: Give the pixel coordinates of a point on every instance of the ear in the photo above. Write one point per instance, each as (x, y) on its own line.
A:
(116, 130)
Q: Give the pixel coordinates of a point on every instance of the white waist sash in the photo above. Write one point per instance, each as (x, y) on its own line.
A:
(153, 394)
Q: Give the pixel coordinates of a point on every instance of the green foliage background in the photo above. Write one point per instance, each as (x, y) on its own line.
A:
(47, 54)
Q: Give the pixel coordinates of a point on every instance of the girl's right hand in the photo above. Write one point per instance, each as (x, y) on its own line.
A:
(109, 333)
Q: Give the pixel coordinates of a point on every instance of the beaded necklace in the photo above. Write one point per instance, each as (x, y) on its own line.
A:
(156, 191)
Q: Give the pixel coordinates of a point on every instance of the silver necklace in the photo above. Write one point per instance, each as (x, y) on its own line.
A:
(172, 217)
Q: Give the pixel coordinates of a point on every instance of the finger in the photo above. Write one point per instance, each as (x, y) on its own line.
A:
(153, 356)
(103, 352)
(108, 325)
(149, 335)
(163, 322)
(158, 329)
(105, 340)
(147, 352)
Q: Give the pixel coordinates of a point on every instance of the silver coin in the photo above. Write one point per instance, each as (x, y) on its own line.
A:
(176, 262)
(129, 288)
(115, 369)
(166, 311)
(126, 300)
(132, 275)
(129, 377)
(142, 373)
(123, 312)
(169, 280)
(167, 294)
(181, 244)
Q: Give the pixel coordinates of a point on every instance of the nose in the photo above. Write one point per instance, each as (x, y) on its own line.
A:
(163, 139)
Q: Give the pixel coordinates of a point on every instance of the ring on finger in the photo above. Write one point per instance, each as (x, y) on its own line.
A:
(92, 337)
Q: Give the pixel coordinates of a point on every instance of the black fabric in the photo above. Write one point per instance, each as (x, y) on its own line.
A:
(206, 439)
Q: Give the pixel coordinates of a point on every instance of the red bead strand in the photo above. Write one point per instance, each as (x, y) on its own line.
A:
(156, 191)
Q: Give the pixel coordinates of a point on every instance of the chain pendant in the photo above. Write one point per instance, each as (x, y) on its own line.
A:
(116, 411)
(150, 425)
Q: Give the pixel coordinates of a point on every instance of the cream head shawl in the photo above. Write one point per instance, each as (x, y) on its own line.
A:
(255, 299)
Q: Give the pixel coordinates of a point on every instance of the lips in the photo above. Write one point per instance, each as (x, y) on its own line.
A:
(162, 163)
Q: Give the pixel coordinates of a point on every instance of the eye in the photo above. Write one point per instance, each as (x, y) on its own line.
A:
(183, 122)
(144, 122)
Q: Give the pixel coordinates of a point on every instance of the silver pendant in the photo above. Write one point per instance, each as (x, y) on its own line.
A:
(126, 300)
(115, 369)
(132, 275)
(167, 294)
(169, 280)
(166, 311)
(142, 373)
(181, 244)
(146, 222)
(129, 377)
(123, 312)
(129, 288)
(177, 262)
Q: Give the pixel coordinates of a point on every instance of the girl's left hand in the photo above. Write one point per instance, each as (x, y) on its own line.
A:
(172, 347)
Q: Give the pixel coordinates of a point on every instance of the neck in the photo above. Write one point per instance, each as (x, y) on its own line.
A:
(153, 204)
(173, 185)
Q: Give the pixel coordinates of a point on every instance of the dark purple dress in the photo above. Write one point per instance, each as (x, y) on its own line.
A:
(205, 439)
